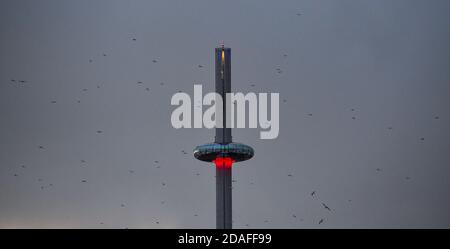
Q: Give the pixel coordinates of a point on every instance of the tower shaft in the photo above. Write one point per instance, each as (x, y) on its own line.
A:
(223, 136)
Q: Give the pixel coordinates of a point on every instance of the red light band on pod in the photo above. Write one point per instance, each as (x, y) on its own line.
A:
(223, 162)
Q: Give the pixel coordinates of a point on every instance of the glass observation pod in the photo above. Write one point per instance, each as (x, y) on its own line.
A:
(236, 151)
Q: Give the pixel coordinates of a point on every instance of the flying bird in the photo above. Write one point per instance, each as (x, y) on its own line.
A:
(325, 206)
(313, 193)
(154, 61)
(320, 221)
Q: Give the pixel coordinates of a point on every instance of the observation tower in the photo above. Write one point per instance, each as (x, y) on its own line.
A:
(223, 152)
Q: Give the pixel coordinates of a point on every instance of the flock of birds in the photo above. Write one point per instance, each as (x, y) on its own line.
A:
(278, 70)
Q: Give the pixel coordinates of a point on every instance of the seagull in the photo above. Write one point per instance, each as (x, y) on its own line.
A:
(164, 184)
(22, 81)
(320, 221)
(390, 128)
(104, 54)
(139, 82)
(23, 166)
(299, 14)
(147, 89)
(99, 131)
(295, 216)
(353, 118)
(326, 207)
(437, 117)
(41, 147)
(378, 169)
(84, 90)
(154, 61)
(407, 178)
(134, 39)
(200, 66)
(131, 171)
(313, 193)
(122, 205)
(310, 114)
(90, 61)
(53, 102)
(197, 174)
(252, 85)
(289, 174)
(156, 161)
(162, 83)
(13, 80)
(83, 181)
(83, 161)
(422, 138)
(16, 175)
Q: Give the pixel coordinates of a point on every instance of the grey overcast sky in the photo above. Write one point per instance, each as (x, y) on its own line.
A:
(364, 113)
